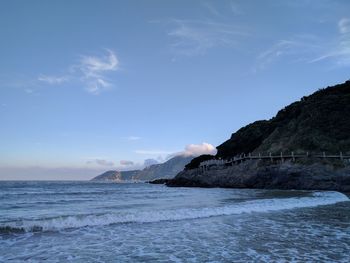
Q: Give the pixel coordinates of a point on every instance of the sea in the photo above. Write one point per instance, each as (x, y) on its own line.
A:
(138, 222)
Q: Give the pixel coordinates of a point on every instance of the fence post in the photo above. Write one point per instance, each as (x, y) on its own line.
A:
(293, 157)
(259, 156)
(324, 155)
(271, 157)
(281, 156)
(341, 156)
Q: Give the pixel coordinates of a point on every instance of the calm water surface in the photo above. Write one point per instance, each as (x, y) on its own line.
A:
(104, 222)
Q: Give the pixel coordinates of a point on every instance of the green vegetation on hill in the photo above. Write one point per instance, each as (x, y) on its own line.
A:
(317, 123)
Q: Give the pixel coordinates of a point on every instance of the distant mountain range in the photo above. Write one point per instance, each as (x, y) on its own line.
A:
(116, 176)
(165, 170)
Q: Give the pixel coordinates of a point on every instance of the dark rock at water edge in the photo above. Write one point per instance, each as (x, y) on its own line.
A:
(159, 181)
(254, 174)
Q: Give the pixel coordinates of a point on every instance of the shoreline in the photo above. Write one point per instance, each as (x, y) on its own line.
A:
(254, 175)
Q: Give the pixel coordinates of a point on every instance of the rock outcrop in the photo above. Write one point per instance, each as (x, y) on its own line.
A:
(315, 124)
(255, 174)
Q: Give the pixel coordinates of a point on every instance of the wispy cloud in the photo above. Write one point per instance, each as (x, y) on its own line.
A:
(126, 163)
(340, 48)
(196, 37)
(52, 80)
(268, 56)
(310, 48)
(91, 72)
(101, 162)
(94, 70)
(344, 25)
(287, 48)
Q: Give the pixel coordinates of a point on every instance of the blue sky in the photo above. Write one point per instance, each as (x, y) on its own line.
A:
(87, 86)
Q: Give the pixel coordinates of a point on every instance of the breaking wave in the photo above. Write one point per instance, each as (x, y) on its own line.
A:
(259, 205)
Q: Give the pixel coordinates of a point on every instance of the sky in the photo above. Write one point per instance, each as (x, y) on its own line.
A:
(89, 86)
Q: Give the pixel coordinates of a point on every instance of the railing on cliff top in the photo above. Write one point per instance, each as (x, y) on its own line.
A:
(282, 157)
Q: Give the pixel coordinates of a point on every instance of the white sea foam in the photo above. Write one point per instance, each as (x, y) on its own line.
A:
(259, 205)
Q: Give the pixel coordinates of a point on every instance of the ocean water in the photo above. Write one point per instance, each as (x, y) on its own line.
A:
(106, 222)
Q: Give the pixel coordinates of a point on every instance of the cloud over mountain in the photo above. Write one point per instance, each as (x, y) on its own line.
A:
(126, 163)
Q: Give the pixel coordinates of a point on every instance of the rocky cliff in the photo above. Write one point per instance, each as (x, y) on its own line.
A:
(315, 124)
(254, 174)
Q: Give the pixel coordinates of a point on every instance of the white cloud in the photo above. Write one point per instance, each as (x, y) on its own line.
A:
(91, 71)
(195, 37)
(198, 149)
(190, 150)
(91, 65)
(126, 163)
(52, 80)
(94, 70)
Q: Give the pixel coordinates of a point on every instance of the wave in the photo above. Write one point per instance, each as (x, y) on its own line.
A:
(260, 205)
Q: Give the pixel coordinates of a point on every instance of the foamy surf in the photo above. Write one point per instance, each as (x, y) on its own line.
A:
(258, 206)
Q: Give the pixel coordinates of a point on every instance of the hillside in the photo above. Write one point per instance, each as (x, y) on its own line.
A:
(164, 170)
(116, 176)
(317, 123)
